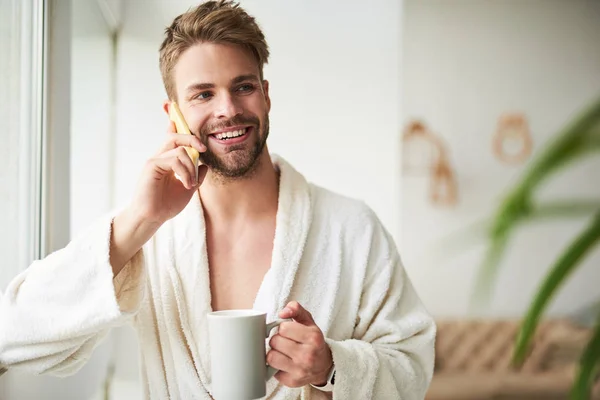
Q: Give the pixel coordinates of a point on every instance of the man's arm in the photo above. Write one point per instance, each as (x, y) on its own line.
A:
(391, 353)
(55, 313)
(129, 233)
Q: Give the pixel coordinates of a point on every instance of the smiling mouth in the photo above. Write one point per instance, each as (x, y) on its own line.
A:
(224, 136)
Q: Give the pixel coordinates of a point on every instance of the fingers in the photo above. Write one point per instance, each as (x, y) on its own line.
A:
(185, 159)
(294, 310)
(178, 163)
(285, 346)
(279, 361)
(183, 156)
(303, 329)
(297, 363)
(175, 140)
(308, 335)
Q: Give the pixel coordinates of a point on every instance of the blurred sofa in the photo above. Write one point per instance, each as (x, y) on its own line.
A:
(473, 361)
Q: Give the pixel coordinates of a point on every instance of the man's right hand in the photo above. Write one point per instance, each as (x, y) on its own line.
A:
(159, 196)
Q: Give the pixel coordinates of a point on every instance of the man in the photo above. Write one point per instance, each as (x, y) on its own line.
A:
(248, 232)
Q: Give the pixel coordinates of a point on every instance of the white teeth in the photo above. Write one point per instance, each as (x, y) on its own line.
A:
(230, 134)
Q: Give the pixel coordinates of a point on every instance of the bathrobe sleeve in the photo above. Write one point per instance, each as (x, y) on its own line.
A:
(391, 353)
(53, 314)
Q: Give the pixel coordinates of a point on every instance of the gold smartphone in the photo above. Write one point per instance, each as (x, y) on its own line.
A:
(176, 116)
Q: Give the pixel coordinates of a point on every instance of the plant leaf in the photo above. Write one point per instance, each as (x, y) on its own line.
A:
(565, 264)
(458, 241)
(588, 366)
(574, 140)
(498, 243)
(486, 275)
(566, 145)
(563, 209)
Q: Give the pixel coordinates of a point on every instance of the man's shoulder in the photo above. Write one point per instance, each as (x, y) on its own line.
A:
(352, 220)
(330, 204)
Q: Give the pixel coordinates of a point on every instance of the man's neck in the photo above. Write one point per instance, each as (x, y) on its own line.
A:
(242, 199)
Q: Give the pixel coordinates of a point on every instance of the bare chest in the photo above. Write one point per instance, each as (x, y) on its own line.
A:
(237, 266)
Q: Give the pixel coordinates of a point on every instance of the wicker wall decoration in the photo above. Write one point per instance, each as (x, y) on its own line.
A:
(512, 142)
(424, 152)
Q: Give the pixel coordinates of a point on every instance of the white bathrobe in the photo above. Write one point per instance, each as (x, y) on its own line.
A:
(330, 253)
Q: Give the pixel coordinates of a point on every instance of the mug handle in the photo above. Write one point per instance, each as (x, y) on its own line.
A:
(270, 370)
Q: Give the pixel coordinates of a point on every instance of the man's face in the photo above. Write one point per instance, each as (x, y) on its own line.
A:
(225, 104)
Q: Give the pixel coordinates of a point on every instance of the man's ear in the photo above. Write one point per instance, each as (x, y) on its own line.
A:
(265, 85)
(166, 105)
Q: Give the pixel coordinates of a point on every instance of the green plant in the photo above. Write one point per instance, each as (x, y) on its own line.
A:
(579, 139)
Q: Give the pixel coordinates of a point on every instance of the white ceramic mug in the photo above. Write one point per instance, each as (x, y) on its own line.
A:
(238, 353)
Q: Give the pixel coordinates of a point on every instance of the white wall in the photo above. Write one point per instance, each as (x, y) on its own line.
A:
(91, 113)
(92, 146)
(334, 88)
(465, 63)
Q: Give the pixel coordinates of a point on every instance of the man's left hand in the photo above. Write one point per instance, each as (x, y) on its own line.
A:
(299, 350)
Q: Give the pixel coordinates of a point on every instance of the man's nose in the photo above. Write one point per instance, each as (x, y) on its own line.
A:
(227, 107)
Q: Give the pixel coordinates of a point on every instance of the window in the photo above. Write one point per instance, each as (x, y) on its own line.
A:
(22, 37)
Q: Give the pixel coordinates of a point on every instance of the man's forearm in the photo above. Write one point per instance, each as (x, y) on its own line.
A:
(129, 233)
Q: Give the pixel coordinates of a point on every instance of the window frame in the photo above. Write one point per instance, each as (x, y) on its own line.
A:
(32, 105)
(44, 113)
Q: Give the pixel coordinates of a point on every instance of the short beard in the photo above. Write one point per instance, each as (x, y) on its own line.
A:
(242, 164)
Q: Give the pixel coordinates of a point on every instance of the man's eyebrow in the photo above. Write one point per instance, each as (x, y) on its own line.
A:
(194, 87)
(243, 78)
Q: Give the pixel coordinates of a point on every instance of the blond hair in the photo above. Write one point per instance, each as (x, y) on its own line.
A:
(220, 22)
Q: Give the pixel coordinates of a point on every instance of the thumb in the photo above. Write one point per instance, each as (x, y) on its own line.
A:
(298, 313)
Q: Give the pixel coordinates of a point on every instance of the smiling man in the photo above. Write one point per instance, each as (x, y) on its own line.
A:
(249, 232)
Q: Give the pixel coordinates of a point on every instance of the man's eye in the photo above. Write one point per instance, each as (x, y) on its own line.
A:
(203, 95)
(247, 87)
